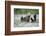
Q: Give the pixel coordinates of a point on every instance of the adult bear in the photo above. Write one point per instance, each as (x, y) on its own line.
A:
(25, 19)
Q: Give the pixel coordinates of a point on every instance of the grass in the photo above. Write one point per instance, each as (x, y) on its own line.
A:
(25, 11)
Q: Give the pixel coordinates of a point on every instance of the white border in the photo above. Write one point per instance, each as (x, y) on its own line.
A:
(25, 28)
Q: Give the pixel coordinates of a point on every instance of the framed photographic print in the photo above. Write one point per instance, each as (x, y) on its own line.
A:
(24, 17)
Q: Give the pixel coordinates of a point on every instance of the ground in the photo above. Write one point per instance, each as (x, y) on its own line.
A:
(18, 23)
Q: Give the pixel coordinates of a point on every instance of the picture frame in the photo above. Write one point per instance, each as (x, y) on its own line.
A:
(12, 6)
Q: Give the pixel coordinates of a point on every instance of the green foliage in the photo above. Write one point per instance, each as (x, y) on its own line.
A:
(25, 11)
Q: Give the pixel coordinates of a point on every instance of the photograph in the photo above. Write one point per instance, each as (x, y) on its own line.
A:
(26, 17)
